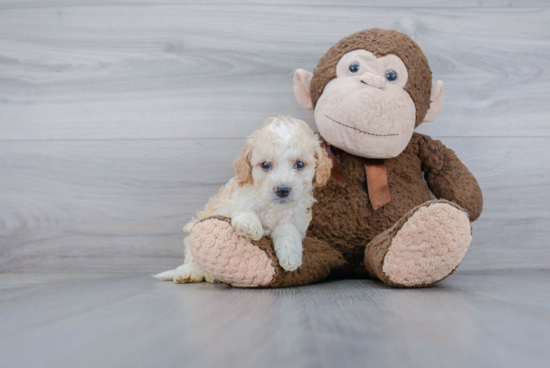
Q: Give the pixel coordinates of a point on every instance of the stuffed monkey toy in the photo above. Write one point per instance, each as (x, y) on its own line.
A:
(375, 217)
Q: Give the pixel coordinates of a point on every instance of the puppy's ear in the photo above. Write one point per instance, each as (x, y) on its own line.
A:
(324, 167)
(243, 168)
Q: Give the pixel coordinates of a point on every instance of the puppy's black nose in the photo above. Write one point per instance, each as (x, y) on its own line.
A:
(282, 191)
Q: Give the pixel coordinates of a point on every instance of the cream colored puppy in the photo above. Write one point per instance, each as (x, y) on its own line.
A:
(277, 171)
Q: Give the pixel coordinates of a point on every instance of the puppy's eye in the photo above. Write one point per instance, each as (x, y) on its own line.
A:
(354, 67)
(299, 165)
(265, 165)
(390, 75)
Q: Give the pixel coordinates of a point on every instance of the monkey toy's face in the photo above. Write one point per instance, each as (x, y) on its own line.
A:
(365, 110)
(368, 100)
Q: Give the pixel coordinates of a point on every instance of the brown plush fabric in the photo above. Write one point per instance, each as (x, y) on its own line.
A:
(448, 177)
(380, 42)
(345, 219)
(318, 259)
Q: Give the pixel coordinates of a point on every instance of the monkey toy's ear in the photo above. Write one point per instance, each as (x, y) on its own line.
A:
(436, 101)
(302, 84)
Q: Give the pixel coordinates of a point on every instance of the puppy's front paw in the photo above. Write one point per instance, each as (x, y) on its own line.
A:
(248, 225)
(289, 258)
(188, 272)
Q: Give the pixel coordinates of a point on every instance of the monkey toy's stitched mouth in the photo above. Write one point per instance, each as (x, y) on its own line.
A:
(359, 130)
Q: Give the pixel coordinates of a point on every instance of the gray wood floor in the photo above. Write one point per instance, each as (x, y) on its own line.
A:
(473, 319)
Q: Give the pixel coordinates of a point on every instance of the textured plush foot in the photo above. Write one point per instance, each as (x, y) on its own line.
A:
(428, 246)
(188, 273)
(228, 257)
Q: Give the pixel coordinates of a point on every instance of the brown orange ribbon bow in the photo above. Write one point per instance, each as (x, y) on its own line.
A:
(377, 177)
(377, 182)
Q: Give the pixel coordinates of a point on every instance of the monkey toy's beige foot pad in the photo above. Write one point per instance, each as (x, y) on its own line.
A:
(429, 246)
(228, 257)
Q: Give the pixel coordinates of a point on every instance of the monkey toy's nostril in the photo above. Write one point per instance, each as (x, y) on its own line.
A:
(282, 191)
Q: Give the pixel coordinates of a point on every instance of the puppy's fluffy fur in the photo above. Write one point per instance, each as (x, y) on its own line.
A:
(271, 194)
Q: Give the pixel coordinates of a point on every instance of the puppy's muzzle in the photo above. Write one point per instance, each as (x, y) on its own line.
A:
(282, 191)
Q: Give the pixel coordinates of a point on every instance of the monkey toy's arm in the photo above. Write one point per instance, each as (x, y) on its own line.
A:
(448, 177)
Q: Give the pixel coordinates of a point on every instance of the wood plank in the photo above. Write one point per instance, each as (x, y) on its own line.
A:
(120, 205)
(311, 3)
(468, 320)
(213, 71)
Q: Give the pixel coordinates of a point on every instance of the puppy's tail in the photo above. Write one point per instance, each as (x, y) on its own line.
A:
(165, 276)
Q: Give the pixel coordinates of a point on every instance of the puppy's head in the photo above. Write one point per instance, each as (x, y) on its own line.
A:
(284, 160)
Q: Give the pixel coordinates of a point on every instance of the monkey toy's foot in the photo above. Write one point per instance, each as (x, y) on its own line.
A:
(422, 248)
(238, 261)
(228, 257)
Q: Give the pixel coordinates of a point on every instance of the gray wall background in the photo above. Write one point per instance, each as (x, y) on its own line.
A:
(118, 119)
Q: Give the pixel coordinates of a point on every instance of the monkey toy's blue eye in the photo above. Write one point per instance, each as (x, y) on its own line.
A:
(265, 165)
(299, 165)
(391, 75)
(354, 67)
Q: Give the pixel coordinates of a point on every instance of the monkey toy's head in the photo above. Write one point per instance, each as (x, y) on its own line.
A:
(370, 91)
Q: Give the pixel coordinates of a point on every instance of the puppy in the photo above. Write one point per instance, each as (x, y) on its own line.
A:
(278, 169)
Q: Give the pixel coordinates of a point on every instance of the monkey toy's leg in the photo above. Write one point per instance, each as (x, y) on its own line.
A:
(423, 247)
(237, 261)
